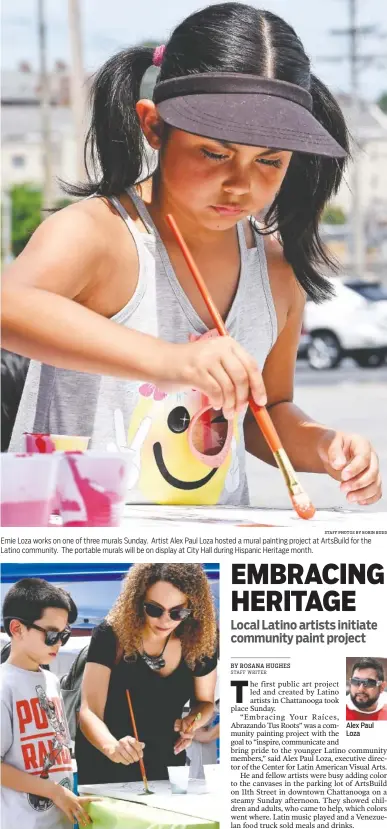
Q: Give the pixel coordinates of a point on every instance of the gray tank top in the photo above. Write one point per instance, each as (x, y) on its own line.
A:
(181, 451)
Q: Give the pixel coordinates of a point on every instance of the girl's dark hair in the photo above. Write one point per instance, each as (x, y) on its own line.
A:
(28, 598)
(229, 37)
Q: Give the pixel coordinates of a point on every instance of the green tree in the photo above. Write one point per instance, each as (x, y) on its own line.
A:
(63, 202)
(382, 102)
(26, 214)
(333, 215)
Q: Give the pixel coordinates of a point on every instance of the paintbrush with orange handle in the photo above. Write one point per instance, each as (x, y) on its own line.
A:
(190, 727)
(141, 762)
(300, 500)
(197, 717)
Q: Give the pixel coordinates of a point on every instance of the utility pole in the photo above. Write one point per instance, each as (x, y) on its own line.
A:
(77, 84)
(357, 218)
(353, 32)
(358, 236)
(47, 200)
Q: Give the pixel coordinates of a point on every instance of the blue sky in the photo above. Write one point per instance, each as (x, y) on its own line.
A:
(109, 26)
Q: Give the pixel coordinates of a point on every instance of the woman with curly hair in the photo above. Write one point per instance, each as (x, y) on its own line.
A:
(159, 641)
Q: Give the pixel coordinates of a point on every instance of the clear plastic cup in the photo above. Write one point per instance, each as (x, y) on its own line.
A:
(212, 776)
(92, 488)
(178, 778)
(28, 484)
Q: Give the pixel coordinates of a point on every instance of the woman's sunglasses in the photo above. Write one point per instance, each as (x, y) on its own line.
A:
(51, 637)
(177, 614)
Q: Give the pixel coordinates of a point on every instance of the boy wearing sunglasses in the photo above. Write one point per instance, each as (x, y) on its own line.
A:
(37, 781)
(366, 699)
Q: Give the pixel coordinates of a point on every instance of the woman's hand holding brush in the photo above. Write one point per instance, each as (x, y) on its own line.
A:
(187, 727)
(127, 750)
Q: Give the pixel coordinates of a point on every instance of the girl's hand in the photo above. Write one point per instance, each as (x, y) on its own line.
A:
(126, 750)
(72, 805)
(222, 370)
(185, 738)
(204, 735)
(352, 460)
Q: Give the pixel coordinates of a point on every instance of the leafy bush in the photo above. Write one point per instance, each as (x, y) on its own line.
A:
(333, 215)
(27, 213)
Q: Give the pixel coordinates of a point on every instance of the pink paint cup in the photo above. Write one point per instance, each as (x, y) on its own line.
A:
(38, 442)
(28, 484)
(92, 488)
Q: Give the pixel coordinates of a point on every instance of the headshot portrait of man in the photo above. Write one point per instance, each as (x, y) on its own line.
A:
(366, 699)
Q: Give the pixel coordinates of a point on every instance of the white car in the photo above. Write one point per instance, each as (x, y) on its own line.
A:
(351, 324)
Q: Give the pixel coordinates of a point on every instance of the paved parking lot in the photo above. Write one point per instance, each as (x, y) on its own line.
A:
(349, 398)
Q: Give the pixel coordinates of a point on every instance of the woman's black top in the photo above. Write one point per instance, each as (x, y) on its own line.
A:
(157, 702)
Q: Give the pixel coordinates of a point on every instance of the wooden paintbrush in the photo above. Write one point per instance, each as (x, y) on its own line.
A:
(142, 767)
(191, 725)
(300, 500)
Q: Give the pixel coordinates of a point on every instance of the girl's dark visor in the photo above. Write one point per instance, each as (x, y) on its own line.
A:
(245, 109)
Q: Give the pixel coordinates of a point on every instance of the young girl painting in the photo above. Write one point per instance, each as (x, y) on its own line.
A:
(101, 300)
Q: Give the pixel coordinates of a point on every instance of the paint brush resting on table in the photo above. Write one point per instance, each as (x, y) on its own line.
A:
(300, 500)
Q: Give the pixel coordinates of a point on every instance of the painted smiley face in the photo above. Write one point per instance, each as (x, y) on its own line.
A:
(178, 422)
(170, 473)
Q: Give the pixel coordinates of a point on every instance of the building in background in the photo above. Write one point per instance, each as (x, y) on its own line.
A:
(371, 133)
(22, 155)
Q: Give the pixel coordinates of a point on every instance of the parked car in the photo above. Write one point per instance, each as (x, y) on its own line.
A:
(303, 344)
(351, 324)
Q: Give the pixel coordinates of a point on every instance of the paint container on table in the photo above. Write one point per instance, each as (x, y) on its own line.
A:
(178, 778)
(28, 486)
(38, 442)
(44, 442)
(67, 443)
(212, 776)
(70, 443)
(92, 488)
